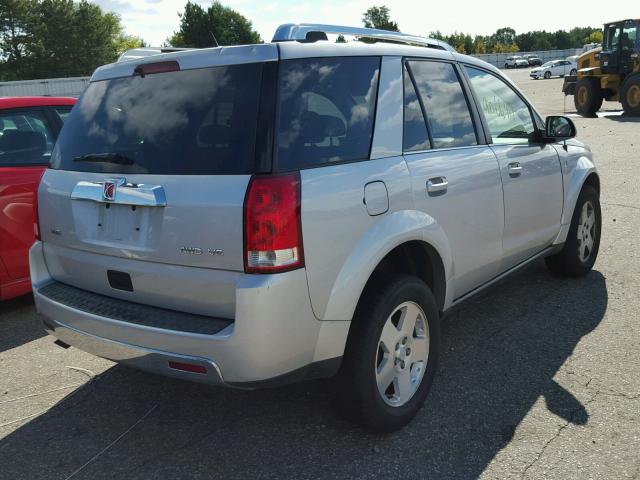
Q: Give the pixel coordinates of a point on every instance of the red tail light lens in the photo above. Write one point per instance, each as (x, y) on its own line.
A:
(36, 219)
(273, 231)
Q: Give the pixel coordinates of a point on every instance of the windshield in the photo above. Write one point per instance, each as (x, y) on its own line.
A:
(547, 64)
(200, 121)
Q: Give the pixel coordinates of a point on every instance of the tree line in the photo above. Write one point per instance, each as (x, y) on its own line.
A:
(62, 38)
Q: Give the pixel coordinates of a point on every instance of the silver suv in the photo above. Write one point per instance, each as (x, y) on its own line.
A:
(256, 215)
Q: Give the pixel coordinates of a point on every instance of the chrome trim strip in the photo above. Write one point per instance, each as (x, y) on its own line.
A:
(126, 194)
(299, 31)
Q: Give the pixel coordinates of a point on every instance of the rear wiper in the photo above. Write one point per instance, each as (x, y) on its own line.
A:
(105, 157)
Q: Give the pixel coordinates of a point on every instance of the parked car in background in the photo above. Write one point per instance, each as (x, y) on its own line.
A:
(516, 61)
(253, 239)
(533, 60)
(28, 129)
(554, 68)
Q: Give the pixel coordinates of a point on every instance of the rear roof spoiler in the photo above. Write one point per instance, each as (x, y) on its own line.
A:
(311, 32)
(137, 53)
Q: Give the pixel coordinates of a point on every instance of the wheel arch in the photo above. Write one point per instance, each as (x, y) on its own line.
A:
(390, 246)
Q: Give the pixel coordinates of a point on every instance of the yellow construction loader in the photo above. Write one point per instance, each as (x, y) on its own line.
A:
(610, 73)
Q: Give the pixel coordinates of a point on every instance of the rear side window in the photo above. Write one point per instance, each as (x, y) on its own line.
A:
(415, 136)
(25, 138)
(326, 110)
(448, 114)
(189, 122)
(63, 112)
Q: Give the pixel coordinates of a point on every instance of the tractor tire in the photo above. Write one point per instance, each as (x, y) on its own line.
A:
(630, 96)
(588, 96)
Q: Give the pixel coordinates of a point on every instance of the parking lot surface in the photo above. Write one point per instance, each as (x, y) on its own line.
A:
(539, 378)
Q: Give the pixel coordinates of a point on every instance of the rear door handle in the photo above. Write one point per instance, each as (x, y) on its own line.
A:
(515, 169)
(437, 184)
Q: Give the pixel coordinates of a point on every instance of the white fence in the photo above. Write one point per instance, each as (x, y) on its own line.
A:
(48, 87)
(498, 59)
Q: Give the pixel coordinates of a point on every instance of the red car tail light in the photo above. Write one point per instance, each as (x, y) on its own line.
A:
(272, 226)
(157, 67)
(36, 219)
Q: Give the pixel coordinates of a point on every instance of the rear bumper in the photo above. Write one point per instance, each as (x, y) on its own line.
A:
(275, 338)
(569, 85)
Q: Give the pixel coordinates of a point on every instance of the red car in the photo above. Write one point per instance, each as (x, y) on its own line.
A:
(29, 127)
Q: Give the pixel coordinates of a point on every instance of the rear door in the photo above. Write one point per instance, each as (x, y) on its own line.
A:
(530, 171)
(148, 180)
(26, 140)
(455, 177)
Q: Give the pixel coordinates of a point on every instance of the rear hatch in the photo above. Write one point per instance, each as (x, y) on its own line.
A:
(144, 200)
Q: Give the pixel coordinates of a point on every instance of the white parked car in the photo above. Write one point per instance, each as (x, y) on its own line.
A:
(554, 68)
(516, 61)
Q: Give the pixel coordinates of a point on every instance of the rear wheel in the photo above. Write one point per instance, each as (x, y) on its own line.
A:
(588, 96)
(630, 96)
(583, 240)
(391, 353)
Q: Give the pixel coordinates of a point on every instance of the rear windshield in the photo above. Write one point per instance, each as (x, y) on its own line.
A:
(190, 122)
(326, 110)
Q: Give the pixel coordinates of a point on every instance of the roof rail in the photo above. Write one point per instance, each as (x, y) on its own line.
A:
(311, 32)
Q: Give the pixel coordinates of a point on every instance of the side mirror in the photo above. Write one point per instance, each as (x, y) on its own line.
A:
(558, 129)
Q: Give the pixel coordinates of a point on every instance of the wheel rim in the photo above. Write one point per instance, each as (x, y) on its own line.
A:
(633, 95)
(582, 95)
(573, 72)
(586, 231)
(403, 351)
(547, 75)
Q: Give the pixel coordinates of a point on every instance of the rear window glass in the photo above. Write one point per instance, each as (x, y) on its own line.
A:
(25, 139)
(326, 111)
(200, 121)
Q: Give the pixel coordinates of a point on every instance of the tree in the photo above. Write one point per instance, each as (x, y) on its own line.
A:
(505, 36)
(379, 17)
(56, 38)
(595, 37)
(217, 25)
(341, 39)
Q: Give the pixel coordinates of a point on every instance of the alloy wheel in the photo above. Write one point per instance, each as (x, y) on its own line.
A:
(403, 351)
(586, 231)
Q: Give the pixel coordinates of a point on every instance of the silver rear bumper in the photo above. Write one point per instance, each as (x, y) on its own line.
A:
(274, 335)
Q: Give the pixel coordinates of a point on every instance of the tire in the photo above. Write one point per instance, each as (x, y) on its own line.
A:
(573, 260)
(573, 72)
(630, 95)
(506, 66)
(547, 75)
(588, 96)
(376, 343)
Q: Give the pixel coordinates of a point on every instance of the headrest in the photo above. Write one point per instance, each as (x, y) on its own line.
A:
(316, 128)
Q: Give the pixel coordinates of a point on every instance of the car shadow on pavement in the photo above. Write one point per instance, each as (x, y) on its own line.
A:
(19, 323)
(500, 354)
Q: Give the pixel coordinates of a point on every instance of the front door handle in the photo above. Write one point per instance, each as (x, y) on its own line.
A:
(515, 169)
(437, 184)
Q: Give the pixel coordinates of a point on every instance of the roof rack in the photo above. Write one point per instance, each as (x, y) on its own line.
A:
(312, 32)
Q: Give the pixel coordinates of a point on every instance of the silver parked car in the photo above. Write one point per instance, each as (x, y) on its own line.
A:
(257, 215)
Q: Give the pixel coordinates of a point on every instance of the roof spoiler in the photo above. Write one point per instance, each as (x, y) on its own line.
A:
(138, 53)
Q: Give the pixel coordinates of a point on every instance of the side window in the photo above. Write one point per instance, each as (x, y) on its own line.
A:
(448, 115)
(508, 116)
(629, 37)
(25, 138)
(326, 111)
(415, 135)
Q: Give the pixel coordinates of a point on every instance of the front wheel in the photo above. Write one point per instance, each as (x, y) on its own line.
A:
(573, 72)
(630, 96)
(588, 96)
(547, 75)
(583, 240)
(391, 354)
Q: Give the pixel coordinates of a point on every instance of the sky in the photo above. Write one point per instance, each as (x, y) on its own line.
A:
(155, 20)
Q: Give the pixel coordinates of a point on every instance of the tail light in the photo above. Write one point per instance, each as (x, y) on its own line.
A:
(36, 219)
(272, 226)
